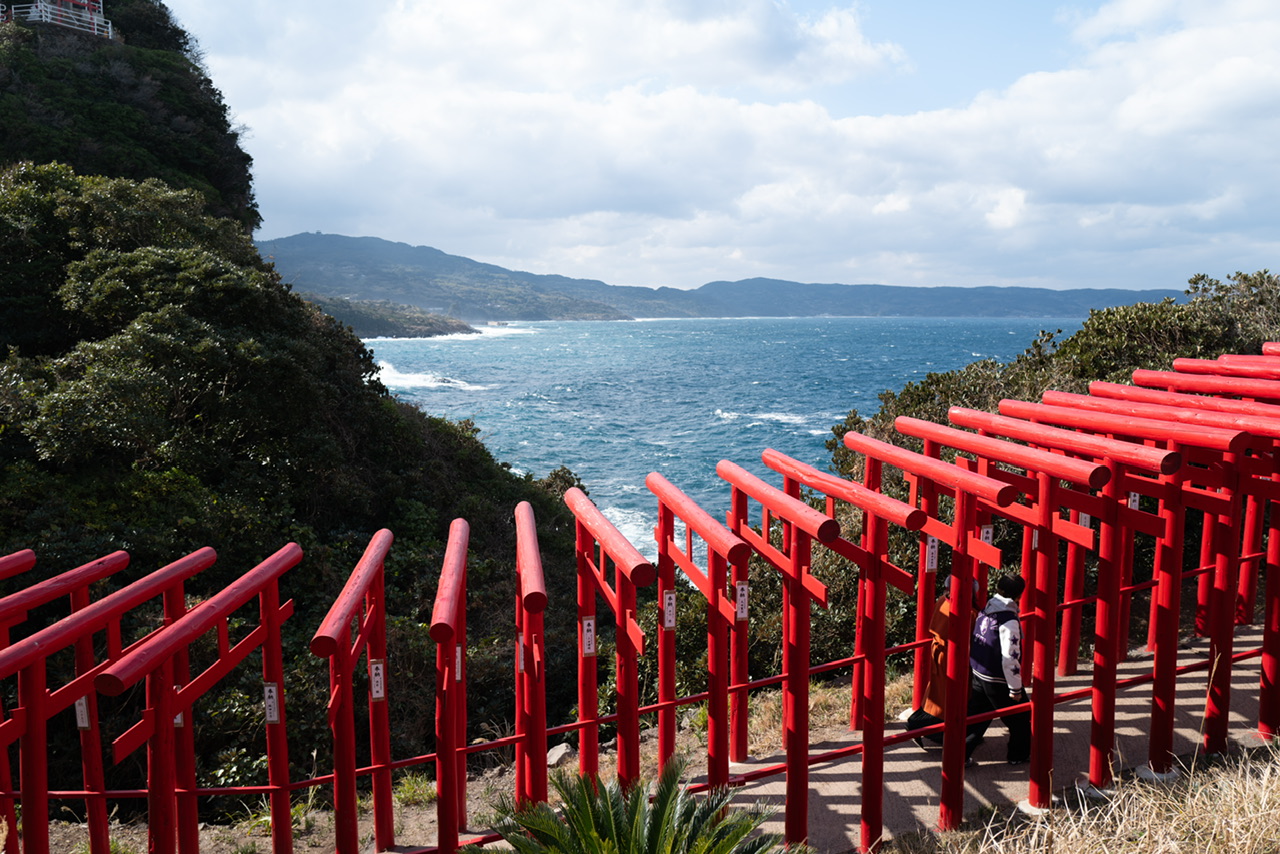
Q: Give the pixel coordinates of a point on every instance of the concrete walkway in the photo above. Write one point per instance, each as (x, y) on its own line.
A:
(913, 776)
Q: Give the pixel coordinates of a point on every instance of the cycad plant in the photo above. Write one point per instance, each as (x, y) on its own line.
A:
(603, 819)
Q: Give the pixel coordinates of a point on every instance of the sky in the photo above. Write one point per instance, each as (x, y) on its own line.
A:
(1126, 144)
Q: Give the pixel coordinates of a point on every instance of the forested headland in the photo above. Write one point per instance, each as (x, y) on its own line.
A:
(162, 389)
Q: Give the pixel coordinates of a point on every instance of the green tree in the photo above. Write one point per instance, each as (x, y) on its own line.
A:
(162, 390)
(138, 108)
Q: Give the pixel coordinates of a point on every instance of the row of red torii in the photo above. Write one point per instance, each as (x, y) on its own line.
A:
(1091, 471)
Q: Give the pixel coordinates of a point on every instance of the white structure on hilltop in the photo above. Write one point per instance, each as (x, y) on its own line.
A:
(83, 15)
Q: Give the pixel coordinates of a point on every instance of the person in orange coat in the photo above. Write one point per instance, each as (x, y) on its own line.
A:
(935, 694)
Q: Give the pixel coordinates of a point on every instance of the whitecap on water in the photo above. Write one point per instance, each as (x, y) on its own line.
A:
(782, 417)
(761, 418)
(395, 379)
(491, 332)
(636, 526)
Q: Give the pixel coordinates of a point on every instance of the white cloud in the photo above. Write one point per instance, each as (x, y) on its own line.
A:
(672, 142)
(591, 47)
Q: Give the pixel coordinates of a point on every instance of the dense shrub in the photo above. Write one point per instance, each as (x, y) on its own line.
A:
(161, 390)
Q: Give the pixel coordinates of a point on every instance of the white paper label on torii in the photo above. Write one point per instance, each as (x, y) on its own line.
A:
(1035, 539)
(82, 713)
(1086, 520)
(377, 679)
(669, 609)
(741, 589)
(931, 554)
(988, 534)
(519, 654)
(1133, 500)
(588, 636)
(457, 663)
(271, 701)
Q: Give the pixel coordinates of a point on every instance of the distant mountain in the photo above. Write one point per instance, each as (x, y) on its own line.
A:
(369, 268)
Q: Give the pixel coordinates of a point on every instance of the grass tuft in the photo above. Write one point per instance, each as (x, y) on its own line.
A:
(1232, 804)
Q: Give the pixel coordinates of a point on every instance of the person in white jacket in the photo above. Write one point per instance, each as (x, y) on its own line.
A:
(995, 659)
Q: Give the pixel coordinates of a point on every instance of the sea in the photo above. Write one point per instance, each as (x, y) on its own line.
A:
(616, 400)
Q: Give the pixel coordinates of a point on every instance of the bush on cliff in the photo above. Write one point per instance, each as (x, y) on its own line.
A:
(161, 390)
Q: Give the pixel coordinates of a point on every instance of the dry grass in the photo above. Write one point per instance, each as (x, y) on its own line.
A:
(828, 713)
(1229, 805)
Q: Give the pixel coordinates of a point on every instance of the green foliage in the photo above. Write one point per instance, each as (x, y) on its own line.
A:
(139, 109)
(560, 480)
(383, 319)
(114, 846)
(161, 390)
(415, 790)
(600, 818)
(149, 24)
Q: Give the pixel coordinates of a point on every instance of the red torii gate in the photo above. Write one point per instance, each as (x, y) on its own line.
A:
(28, 659)
(724, 549)
(1041, 516)
(872, 557)
(75, 584)
(171, 693)
(1124, 460)
(927, 475)
(449, 631)
(362, 602)
(801, 525)
(598, 545)
(530, 663)
(1259, 482)
(1269, 719)
(1215, 455)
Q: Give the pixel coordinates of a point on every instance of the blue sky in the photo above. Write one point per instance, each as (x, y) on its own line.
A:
(675, 142)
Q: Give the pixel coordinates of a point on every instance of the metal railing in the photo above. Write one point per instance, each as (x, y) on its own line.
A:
(44, 12)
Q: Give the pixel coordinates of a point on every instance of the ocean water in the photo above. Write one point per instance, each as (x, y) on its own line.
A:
(614, 401)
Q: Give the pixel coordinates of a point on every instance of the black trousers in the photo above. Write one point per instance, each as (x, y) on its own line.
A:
(987, 696)
(920, 719)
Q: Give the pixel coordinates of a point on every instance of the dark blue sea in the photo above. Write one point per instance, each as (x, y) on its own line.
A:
(614, 401)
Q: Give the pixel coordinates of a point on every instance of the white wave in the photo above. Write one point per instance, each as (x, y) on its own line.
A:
(760, 418)
(782, 417)
(636, 526)
(485, 332)
(499, 331)
(395, 379)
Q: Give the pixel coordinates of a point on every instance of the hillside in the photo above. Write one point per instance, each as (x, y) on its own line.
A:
(383, 319)
(162, 390)
(139, 107)
(371, 268)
